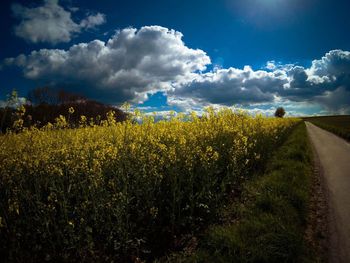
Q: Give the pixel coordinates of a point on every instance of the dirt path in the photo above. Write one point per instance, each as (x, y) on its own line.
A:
(334, 155)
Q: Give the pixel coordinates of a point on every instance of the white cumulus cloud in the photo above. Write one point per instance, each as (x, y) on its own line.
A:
(129, 65)
(92, 21)
(136, 62)
(50, 22)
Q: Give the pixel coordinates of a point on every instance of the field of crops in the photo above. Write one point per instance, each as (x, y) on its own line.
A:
(339, 125)
(125, 191)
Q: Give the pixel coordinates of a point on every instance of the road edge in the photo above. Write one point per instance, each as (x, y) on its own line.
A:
(319, 219)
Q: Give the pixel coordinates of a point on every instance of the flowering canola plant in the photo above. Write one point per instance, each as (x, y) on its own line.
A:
(124, 189)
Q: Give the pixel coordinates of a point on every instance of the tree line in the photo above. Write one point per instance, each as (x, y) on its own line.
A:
(45, 104)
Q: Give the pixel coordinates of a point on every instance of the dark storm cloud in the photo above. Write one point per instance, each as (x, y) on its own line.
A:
(299, 88)
(233, 86)
(337, 101)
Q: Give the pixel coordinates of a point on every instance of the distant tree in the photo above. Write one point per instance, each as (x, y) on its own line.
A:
(47, 95)
(280, 112)
(48, 103)
(68, 97)
(43, 95)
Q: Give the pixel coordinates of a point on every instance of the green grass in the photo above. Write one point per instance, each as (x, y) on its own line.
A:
(339, 125)
(272, 216)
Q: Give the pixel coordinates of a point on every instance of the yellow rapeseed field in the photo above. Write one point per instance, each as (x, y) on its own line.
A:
(123, 189)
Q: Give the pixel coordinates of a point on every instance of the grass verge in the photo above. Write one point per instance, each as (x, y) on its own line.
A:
(344, 133)
(273, 215)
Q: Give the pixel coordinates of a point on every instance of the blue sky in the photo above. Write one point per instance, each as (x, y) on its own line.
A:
(183, 55)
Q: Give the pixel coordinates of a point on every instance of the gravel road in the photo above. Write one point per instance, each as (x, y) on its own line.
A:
(334, 156)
